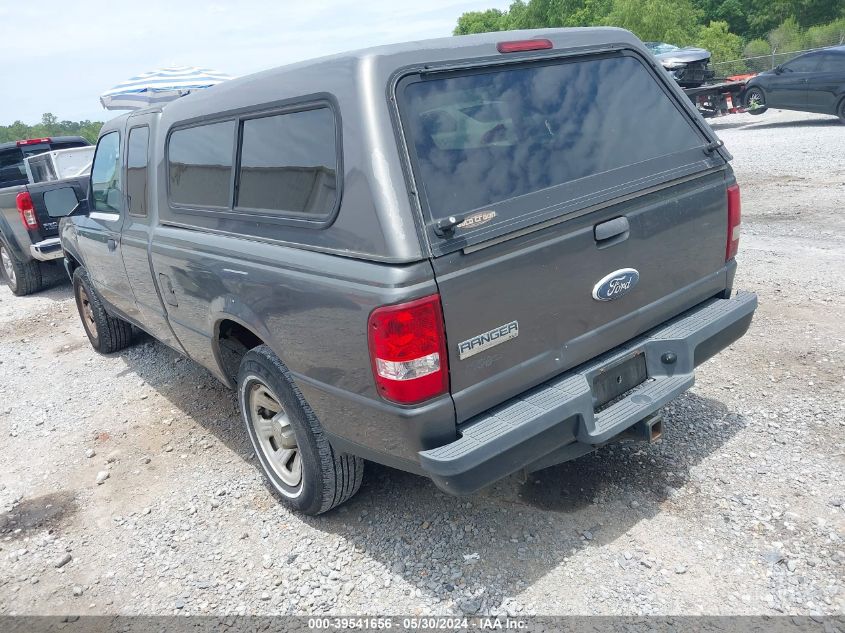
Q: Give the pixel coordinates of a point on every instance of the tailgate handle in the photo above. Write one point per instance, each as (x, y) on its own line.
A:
(615, 228)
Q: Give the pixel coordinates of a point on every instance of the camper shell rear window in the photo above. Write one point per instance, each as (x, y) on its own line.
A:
(525, 142)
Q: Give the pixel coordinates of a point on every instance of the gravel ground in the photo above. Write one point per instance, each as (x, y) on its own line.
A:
(739, 510)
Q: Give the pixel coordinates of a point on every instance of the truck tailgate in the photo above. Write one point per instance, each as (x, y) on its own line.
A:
(543, 283)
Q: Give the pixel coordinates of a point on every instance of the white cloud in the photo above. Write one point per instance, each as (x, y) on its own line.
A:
(80, 49)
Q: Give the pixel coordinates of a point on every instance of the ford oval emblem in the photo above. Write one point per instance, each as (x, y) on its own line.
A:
(616, 284)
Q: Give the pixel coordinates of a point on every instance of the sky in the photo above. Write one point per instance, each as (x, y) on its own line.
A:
(58, 56)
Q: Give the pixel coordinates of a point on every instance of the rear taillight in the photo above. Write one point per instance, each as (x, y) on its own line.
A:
(408, 350)
(26, 210)
(733, 222)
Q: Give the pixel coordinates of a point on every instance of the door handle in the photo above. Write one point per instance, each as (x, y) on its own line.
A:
(612, 232)
(112, 244)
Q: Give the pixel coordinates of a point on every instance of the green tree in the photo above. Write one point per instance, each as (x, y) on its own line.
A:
(558, 13)
(717, 38)
(724, 46)
(758, 56)
(50, 126)
(675, 21)
(732, 12)
(757, 48)
(814, 12)
(765, 15)
(787, 37)
(788, 24)
(481, 22)
(535, 14)
(832, 34)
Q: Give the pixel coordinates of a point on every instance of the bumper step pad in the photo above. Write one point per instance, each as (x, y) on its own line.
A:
(542, 419)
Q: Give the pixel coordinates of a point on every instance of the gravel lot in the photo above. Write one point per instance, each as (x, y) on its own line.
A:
(739, 510)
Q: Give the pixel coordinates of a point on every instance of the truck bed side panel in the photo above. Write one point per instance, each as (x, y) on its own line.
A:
(312, 310)
(11, 229)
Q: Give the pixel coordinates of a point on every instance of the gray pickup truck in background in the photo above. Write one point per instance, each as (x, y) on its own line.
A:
(30, 213)
(462, 257)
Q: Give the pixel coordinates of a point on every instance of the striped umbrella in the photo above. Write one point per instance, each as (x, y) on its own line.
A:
(159, 86)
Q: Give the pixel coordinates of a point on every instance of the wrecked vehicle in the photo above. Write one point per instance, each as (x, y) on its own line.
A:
(688, 66)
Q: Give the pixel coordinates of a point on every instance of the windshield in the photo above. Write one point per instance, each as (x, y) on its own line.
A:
(489, 136)
(658, 48)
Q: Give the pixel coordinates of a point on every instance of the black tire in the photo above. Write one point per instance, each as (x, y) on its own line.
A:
(23, 278)
(755, 95)
(327, 477)
(840, 111)
(108, 334)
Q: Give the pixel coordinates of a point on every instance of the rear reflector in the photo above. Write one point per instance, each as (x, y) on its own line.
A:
(26, 210)
(734, 219)
(408, 350)
(519, 46)
(33, 141)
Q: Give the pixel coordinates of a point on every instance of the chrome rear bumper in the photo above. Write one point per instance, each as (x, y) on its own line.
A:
(47, 250)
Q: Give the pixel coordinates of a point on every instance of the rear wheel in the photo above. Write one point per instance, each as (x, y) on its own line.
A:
(108, 334)
(23, 278)
(295, 455)
(755, 101)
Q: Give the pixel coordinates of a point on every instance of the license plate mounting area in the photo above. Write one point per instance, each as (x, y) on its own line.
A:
(618, 379)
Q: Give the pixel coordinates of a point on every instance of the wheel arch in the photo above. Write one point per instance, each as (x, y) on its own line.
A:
(840, 105)
(233, 336)
(71, 264)
(10, 240)
(750, 87)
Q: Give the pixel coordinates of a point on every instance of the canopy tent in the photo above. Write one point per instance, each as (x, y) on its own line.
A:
(159, 86)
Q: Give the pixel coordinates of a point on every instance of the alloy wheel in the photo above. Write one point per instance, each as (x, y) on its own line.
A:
(275, 435)
(87, 312)
(756, 99)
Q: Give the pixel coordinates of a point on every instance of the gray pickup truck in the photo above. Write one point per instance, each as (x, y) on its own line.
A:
(30, 213)
(463, 257)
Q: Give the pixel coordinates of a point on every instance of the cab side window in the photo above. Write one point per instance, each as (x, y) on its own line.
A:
(806, 64)
(288, 163)
(137, 149)
(105, 175)
(833, 62)
(200, 165)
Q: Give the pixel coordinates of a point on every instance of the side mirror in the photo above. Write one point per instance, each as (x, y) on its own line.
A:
(778, 69)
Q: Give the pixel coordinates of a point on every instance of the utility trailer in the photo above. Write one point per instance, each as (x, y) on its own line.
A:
(721, 98)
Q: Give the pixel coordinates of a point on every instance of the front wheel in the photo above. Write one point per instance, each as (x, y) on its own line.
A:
(108, 334)
(23, 278)
(301, 465)
(840, 111)
(755, 101)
